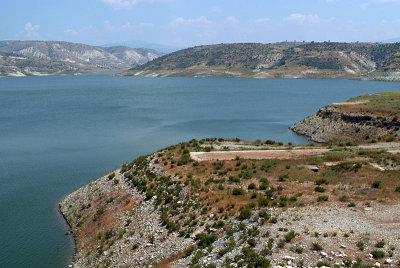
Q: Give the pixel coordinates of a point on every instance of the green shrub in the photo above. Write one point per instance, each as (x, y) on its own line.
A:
(270, 243)
(380, 244)
(245, 213)
(263, 202)
(322, 198)
(351, 205)
(376, 184)
(323, 264)
(289, 236)
(360, 245)
(299, 250)
(237, 191)
(111, 176)
(251, 186)
(316, 246)
(321, 181)
(377, 254)
(319, 189)
(205, 240)
(264, 186)
(251, 242)
(283, 177)
(199, 254)
(398, 189)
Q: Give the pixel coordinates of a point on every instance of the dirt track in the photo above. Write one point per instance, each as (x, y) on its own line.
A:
(255, 154)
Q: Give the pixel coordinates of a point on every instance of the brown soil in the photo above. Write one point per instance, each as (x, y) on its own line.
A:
(255, 154)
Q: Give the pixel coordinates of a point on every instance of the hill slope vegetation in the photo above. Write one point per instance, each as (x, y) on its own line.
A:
(280, 60)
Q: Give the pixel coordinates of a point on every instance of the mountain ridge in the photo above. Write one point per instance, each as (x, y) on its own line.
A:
(21, 58)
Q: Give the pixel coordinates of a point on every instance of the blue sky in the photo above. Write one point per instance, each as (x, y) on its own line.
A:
(185, 23)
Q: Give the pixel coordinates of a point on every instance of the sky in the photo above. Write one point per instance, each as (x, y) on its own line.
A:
(185, 23)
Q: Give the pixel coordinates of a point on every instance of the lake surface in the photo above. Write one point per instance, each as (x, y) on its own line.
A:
(59, 133)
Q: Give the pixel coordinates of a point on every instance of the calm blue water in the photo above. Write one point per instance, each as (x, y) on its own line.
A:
(59, 133)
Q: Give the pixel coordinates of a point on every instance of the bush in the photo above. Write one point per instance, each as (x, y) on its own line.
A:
(237, 191)
(264, 186)
(263, 202)
(322, 198)
(251, 242)
(251, 186)
(283, 177)
(351, 205)
(398, 189)
(299, 250)
(360, 245)
(376, 184)
(205, 240)
(319, 189)
(380, 244)
(323, 264)
(245, 213)
(111, 176)
(316, 246)
(377, 254)
(289, 236)
(197, 257)
(321, 181)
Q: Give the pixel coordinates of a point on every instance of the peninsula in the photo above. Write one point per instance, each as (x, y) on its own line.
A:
(233, 203)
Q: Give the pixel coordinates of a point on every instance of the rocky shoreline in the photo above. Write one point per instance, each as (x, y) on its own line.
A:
(129, 248)
(117, 224)
(332, 126)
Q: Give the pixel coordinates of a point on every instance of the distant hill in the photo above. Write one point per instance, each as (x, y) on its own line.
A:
(57, 57)
(393, 40)
(280, 60)
(140, 44)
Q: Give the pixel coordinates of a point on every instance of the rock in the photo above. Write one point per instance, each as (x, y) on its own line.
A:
(377, 264)
(324, 254)
(289, 258)
(388, 261)
(342, 246)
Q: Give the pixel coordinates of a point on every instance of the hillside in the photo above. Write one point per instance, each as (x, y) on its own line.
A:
(368, 118)
(219, 203)
(280, 60)
(20, 58)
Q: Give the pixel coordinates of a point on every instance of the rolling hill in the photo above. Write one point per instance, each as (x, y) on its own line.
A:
(280, 60)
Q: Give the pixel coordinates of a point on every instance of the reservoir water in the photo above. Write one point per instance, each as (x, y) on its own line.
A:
(58, 133)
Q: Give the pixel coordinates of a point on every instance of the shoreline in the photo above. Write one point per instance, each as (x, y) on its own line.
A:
(70, 235)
